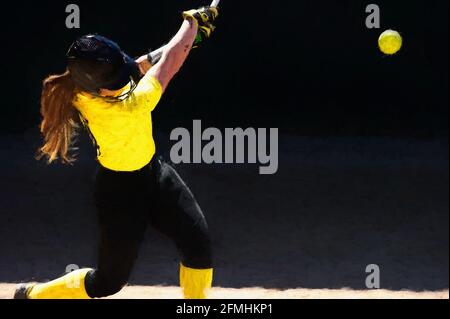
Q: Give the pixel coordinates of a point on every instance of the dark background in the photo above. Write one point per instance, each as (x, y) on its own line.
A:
(310, 67)
(363, 170)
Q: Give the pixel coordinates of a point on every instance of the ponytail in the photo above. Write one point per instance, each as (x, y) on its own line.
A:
(59, 118)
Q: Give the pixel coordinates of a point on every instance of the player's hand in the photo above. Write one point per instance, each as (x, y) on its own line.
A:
(205, 18)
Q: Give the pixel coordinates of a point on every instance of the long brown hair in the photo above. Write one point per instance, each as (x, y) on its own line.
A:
(59, 118)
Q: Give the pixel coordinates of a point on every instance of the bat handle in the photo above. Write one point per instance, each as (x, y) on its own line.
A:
(215, 3)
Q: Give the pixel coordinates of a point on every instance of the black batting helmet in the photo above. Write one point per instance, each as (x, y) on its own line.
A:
(96, 62)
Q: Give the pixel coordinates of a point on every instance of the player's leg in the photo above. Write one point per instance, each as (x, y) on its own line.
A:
(116, 261)
(179, 216)
(120, 200)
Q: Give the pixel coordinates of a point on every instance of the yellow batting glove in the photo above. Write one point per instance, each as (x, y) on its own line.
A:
(204, 15)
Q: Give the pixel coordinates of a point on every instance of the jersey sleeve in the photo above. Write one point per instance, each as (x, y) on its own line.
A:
(149, 92)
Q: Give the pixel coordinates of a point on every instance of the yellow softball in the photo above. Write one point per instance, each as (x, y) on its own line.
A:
(390, 42)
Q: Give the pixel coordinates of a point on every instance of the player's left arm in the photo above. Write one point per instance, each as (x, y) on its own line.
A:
(144, 64)
(204, 17)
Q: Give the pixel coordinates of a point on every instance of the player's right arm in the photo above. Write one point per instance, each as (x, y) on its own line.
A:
(175, 53)
(178, 49)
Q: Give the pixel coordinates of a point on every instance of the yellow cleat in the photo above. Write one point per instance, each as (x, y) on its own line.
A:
(22, 291)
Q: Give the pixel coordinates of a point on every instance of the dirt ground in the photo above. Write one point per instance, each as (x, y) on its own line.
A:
(137, 292)
(335, 206)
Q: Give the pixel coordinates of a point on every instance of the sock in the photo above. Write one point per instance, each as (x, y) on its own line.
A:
(195, 282)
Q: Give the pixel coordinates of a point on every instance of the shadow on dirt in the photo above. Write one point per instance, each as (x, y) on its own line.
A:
(335, 206)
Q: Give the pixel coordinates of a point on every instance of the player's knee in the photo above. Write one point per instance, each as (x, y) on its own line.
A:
(110, 288)
(99, 285)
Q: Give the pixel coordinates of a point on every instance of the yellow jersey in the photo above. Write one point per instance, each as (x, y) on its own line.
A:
(123, 128)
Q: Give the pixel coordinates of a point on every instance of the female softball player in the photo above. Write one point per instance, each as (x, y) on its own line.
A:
(114, 96)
